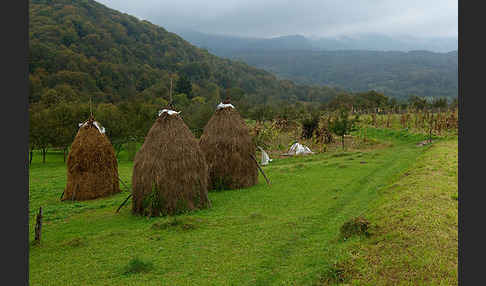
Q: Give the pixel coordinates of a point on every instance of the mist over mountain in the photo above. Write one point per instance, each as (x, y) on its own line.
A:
(224, 45)
(378, 42)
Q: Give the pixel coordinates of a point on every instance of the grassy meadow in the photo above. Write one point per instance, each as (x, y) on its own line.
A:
(283, 234)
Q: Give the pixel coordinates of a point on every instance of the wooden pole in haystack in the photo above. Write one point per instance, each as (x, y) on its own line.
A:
(38, 226)
(170, 92)
(126, 200)
(91, 106)
(260, 168)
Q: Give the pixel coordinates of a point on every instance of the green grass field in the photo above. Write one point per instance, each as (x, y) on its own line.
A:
(283, 234)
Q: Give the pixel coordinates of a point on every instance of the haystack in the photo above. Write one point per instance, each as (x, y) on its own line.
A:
(169, 174)
(92, 168)
(228, 147)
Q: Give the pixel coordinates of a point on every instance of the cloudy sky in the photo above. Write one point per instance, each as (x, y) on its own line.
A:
(269, 18)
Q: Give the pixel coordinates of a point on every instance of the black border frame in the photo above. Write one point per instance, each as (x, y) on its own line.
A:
(15, 118)
(15, 144)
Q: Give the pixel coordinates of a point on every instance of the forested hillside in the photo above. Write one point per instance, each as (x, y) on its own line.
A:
(353, 64)
(396, 74)
(81, 49)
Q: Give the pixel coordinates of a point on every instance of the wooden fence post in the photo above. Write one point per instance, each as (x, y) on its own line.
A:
(38, 226)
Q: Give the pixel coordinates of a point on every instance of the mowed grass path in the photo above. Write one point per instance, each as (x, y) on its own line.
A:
(414, 227)
(283, 234)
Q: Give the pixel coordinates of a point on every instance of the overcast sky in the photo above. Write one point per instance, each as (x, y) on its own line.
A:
(269, 18)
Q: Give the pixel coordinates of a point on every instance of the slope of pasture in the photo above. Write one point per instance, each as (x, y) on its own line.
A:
(282, 234)
(414, 227)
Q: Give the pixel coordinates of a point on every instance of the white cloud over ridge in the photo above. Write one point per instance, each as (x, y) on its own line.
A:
(268, 18)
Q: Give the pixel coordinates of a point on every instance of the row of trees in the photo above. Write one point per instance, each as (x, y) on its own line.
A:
(373, 100)
(54, 120)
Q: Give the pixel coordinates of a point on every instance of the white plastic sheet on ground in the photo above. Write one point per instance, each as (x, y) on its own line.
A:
(298, 148)
(222, 105)
(265, 158)
(170, 112)
(101, 129)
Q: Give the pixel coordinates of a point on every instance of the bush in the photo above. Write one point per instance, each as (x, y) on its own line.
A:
(264, 136)
(309, 126)
(136, 265)
(355, 226)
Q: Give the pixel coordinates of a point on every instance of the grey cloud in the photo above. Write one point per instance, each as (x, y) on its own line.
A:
(267, 18)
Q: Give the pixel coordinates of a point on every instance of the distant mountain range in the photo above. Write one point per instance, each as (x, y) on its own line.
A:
(223, 45)
(398, 67)
(396, 74)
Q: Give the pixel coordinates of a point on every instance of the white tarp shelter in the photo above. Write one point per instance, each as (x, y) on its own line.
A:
(297, 149)
(265, 158)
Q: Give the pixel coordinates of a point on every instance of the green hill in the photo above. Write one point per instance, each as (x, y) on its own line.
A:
(394, 66)
(81, 49)
(396, 74)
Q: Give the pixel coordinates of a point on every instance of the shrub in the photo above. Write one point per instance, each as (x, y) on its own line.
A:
(355, 226)
(309, 126)
(136, 265)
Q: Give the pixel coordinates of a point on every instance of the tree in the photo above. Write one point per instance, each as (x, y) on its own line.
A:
(50, 97)
(65, 92)
(115, 123)
(41, 131)
(181, 101)
(454, 103)
(342, 100)
(183, 85)
(439, 103)
(310, 124)
(417, 102)
(198, 100)
(65, 125)
(342, 125)
(235, 93)
(196, 71)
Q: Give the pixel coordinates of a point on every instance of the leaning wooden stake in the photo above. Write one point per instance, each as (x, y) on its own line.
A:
(122, 204)
(259, 168)
(126, 200)
(38, 226)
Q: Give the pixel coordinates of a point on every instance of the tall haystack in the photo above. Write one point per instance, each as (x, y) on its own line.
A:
(92, 168)
(169, 174)
(228, 147)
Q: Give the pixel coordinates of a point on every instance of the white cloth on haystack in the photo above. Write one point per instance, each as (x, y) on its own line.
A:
(222, 105)
(298, 148)
(265, 158)
(170, 112)
(101, 129)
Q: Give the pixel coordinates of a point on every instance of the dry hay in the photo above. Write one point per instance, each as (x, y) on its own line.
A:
(228, 147)
(169, 173)
(92, 168)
